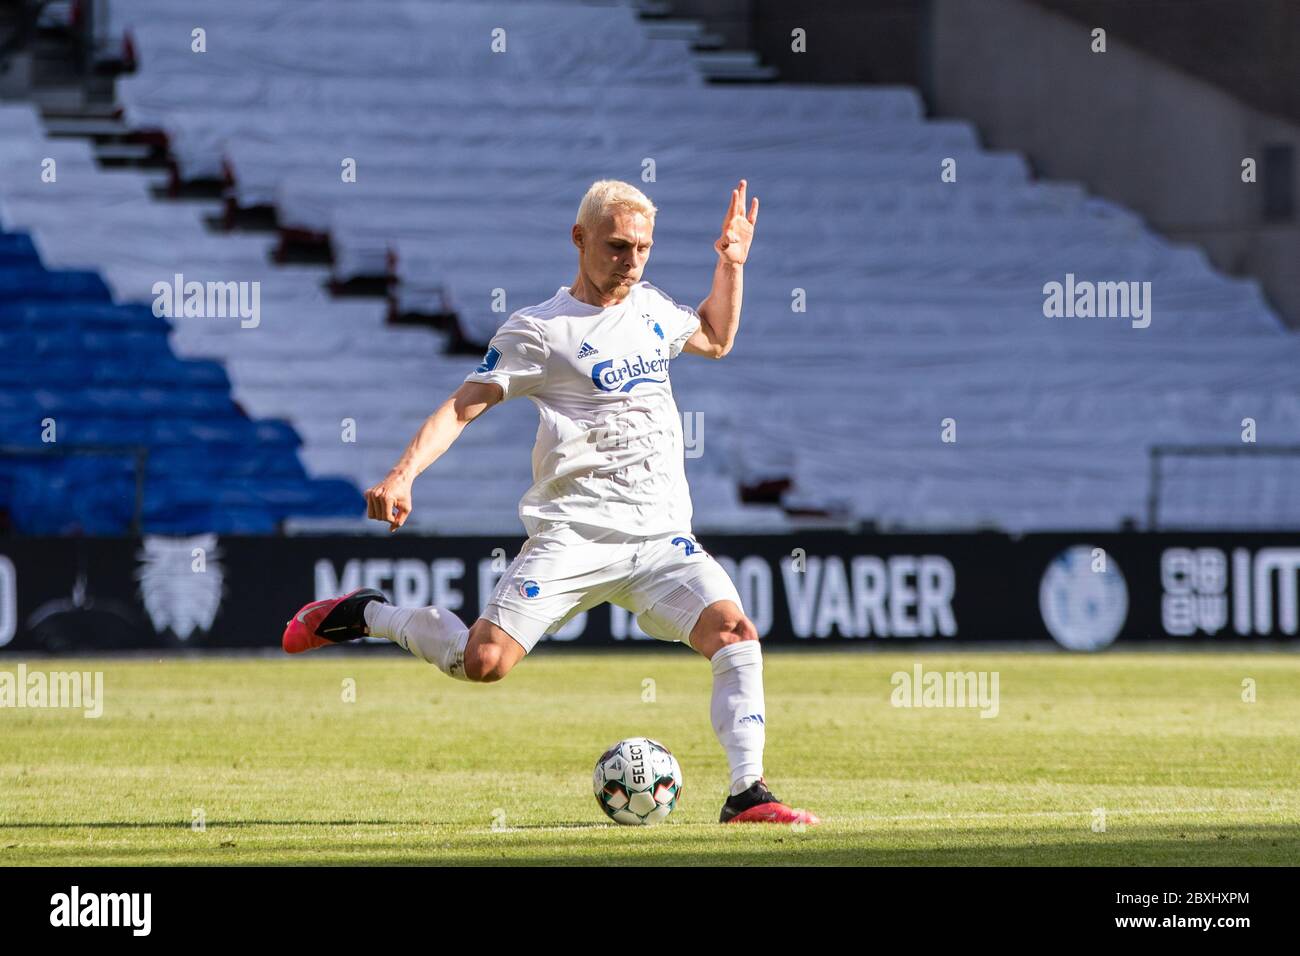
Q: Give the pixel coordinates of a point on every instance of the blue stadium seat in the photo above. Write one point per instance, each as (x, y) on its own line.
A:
(107, 377)
(16, 249)
(34, 282)
(72, 495)
(90, 314)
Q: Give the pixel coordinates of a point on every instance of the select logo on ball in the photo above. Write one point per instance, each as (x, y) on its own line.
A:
(637, 782)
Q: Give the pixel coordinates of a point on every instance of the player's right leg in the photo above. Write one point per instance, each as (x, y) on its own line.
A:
(491, 653)
(330, 621)
(484, 652)
(556, 574)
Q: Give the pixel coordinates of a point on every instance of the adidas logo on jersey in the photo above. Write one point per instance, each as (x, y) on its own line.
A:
(587, 350)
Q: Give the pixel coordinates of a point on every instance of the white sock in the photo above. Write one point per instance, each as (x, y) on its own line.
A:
(738, 711)
(432, 634)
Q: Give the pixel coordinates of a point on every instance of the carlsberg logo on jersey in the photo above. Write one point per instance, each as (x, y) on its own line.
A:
(622, 374)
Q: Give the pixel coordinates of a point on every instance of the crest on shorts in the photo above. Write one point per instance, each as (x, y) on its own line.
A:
(530, 588)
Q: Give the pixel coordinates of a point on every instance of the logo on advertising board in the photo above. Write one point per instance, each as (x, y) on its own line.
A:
(1083, 608)
(180, 583)
(1202, 591)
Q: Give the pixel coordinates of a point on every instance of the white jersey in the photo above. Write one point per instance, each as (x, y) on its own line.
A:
(609, 448)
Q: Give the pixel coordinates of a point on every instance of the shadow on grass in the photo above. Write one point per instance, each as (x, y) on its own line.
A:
(213, 823)
(1272, 845)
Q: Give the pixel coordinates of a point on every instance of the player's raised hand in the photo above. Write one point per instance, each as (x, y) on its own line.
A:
(390, 501)
(737, 228)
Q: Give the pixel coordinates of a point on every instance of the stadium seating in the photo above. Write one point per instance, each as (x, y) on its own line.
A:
(103, 376)
(923, 299)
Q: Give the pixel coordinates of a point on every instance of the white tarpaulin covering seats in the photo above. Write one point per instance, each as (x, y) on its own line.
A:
(881, 298)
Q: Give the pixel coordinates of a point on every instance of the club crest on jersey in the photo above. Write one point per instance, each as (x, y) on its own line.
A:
(627, 373)
(587, 350)
(652, 324)
(530, 588)
(490, 360)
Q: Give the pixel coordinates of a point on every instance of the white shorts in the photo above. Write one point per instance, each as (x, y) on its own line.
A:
(665, 580)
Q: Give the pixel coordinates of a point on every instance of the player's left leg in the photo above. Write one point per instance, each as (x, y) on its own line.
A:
(729, 640)
(688, 597)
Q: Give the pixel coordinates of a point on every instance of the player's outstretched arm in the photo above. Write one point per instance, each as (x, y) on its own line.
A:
(390, 500)
(720, 312)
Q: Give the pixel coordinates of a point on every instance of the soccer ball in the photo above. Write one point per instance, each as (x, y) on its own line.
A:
(637, 782)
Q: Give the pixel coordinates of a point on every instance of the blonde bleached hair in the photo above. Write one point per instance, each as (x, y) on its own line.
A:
(611, 192)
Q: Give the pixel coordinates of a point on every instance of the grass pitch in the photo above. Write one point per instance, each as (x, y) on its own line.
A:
(420, 769)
